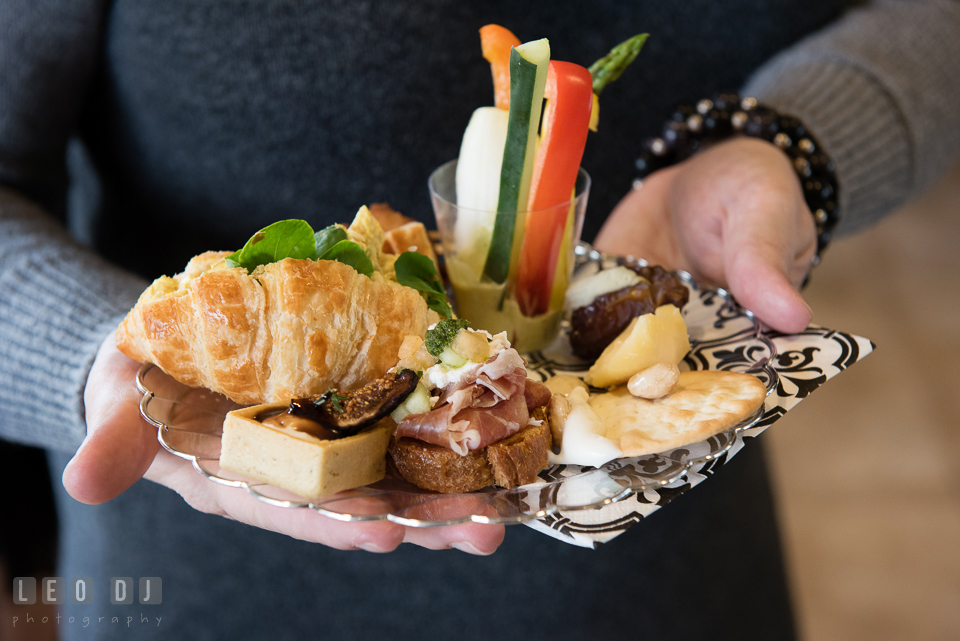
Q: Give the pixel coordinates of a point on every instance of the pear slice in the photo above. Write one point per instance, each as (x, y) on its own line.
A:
(660, 337)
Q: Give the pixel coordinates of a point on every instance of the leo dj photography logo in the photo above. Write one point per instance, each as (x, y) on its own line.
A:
(57, 590)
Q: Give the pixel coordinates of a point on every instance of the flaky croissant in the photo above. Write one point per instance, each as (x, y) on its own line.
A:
(290, 329)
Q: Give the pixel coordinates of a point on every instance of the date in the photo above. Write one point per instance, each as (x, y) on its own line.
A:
(596, 325)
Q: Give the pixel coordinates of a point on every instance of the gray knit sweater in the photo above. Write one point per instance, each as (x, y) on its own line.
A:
(196, 122)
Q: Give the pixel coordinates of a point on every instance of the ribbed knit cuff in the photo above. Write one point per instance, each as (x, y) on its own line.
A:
(879, 88)
(857, 124)
(57, 304)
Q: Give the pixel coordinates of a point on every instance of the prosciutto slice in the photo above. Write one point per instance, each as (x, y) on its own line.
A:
(484, 408)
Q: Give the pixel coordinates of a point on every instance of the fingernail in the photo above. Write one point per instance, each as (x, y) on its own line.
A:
(464, 546)
(809, 311)
(370, 546)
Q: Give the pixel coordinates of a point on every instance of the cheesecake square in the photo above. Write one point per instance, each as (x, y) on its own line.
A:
(300, 462)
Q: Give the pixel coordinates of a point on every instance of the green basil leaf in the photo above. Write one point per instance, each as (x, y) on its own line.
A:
(231, 263)
(328, 237)
(282, 239)
(417, 271)
(350, 253)
(439, 304)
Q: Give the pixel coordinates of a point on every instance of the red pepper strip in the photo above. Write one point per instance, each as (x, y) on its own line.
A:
(566, 119)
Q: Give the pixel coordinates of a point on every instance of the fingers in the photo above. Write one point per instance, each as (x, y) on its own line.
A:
(765, 263)
(119, 446)
(743, 224)
(305, 524)
(308, 525)
(371, 536)
(760, 286)
(300, 523)
(473, 538)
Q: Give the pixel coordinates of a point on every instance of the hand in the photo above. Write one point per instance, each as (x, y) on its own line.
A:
(121, 447)
(734, 217)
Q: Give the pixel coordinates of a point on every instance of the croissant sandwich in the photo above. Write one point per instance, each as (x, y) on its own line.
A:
(292, 314)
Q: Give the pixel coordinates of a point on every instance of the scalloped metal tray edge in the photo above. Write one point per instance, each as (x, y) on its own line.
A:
(553, 478)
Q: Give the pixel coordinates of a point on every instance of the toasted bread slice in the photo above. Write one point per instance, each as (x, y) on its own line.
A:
(508, 463)
(387, 216)
(410, 237)
(402, 233)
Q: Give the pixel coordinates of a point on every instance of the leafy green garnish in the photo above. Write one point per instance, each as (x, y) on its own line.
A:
(608, 68)
(440, 337)
(333, 397)
(295, 239)
(350, 253)
(328, 237)
(282, 239)
(417, 271)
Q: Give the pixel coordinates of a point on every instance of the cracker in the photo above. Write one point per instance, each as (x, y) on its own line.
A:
(702, 404)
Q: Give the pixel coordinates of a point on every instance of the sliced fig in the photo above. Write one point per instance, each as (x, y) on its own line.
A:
(348, 413)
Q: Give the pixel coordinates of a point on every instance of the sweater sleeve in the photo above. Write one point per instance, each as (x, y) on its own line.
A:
(58, 303)
(880, 89)
(57, 300)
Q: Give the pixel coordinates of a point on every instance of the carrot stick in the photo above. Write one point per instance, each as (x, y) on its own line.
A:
(496, 42)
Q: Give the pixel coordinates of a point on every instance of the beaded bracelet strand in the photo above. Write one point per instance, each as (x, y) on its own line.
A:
(693, 127)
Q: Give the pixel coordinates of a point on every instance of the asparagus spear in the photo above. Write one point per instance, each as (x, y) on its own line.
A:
(608, 68)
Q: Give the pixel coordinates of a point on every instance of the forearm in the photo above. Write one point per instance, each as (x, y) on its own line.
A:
(879, 89)
(57, 303)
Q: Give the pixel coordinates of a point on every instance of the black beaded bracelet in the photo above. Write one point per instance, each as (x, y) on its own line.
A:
(693, 127)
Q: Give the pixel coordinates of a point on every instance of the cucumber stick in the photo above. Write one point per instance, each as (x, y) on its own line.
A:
(561, 277)
(528, 75)
(478, 185)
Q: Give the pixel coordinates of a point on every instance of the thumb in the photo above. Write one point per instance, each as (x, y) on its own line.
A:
(758, 276)
(119, 446)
